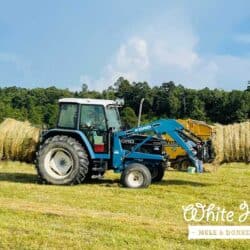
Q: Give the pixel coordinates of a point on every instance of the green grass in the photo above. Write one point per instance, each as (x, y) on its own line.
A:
(102, 215)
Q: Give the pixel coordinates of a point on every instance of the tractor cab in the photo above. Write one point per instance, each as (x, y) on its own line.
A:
(95, 118)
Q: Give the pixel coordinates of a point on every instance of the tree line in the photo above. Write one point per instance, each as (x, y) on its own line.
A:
(169, 100)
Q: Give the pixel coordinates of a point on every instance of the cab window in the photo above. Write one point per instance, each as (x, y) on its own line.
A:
(68, 115)
(113, 118)
(92, 116)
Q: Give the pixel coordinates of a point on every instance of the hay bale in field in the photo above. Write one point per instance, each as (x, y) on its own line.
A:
(232, 142)
(18, 140)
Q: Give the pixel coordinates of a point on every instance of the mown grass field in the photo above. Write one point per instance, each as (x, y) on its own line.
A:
(102, 215)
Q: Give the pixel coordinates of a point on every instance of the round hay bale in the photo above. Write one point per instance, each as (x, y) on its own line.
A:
(18, 140)
(232, 142)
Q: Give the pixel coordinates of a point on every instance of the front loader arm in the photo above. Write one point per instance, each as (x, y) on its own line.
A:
(175, 130)
(171, 127)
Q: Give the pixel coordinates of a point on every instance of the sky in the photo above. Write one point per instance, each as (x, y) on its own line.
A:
(67, 43)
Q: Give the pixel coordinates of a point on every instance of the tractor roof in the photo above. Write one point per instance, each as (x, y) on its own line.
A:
(88, 101)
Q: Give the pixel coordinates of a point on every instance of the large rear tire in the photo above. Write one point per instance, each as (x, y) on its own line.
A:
(62, 160)
(136, 175)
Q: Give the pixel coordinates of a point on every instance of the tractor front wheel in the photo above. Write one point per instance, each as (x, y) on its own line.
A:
(62, 160)
(136, 175)
(157, 173)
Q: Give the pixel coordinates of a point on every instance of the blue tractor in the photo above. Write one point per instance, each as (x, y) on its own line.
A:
(88, 140)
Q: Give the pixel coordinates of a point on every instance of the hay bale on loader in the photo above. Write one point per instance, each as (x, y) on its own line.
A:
(232, 142)
(18, 140)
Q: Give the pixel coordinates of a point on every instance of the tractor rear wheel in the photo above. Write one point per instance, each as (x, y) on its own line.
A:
(62, 160)
(136, 175)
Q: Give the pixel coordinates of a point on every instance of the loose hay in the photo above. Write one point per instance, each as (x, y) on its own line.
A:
(232, 142)
(18, 140)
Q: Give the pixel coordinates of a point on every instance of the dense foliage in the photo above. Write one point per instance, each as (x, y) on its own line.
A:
(166, 101)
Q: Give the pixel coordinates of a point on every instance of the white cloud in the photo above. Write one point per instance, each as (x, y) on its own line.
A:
(134, 53)
(183, 58)
(130, 61)
(167, 49)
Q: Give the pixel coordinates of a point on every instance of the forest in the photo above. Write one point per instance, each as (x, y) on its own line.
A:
(168, 100)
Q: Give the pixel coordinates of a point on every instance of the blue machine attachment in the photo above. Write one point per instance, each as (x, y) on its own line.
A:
(160, 127)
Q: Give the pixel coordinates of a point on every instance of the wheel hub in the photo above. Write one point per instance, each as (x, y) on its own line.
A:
(62, 162)
(58, 163)
(135, 179)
